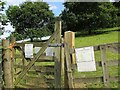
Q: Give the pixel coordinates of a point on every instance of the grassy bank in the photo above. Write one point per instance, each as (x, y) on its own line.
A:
(110, 35)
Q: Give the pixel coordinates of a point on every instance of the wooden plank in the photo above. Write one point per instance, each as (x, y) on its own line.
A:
(110, 63)
(41, 72)
(1, 73)
(13, 40)
(8, 80)
(38, 77)
(62, 59)
(43, 58)
(95, 79)
(115, 79)
(58, 56)
(28, 86)
(35, 58)
(70, 40)
(114, 47)
(68, 68)
(88, 80)
(113, 62)
(34, 69)
(35, 44)
(104, 66)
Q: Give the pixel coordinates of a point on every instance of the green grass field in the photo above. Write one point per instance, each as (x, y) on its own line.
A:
(110, 35)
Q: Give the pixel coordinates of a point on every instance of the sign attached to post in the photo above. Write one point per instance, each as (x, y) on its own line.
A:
(49, 51)
(37, 49)
(28, 50)
(85, 59)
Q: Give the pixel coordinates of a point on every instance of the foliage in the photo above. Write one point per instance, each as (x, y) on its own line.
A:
(117, 5)
(88, 16)
(3, 18)
(31, 19)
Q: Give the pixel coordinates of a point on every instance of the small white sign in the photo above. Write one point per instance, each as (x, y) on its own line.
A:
(37, 49)
(28, 50)
(49, 51)
(85, 59)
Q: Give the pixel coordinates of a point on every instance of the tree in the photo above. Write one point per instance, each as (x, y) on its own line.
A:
(88, 16)
(30, 19)
(3, 18)
(117, 5)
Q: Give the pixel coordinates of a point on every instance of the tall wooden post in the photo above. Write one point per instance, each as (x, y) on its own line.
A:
(7, 72)
(0, 66)
(13, 40)
(104, 66)
(70, 40)
(58, 56)
(70, 59)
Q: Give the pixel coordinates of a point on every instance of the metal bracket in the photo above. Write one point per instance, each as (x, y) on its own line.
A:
(56, 45)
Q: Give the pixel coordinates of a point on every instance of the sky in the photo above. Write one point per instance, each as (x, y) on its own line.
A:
(55, 6)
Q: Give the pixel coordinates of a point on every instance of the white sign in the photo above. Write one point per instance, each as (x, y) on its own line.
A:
(37, 49)
(49, 51)
(85, 59)
(28, 50)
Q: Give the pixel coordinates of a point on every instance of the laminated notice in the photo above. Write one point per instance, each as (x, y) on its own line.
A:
(85, 59)
(50, 51)
(28, 50)
(37, 49)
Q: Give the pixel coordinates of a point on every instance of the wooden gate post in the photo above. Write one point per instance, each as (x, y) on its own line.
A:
(0, 66)
(70, 58)
(7, 72)
(70, 40)
(58, 56)
(12, 42)
(104, 66)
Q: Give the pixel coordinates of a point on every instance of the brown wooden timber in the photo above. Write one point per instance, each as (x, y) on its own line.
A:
(104, 66)
(35, 58)
(7, 70)
(58, 56)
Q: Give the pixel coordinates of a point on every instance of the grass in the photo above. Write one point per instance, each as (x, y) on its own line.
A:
(91, 40)
(104, 36)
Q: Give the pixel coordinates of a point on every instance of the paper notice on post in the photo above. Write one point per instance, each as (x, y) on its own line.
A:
(85, 59)
(50, 51)
(28, 50)
(37, 49)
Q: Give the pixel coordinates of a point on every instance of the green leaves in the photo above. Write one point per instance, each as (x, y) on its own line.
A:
(88, 16)
(31, 18)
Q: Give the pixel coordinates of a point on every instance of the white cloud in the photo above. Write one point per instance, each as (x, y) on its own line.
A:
(52, 7)
(9, 28)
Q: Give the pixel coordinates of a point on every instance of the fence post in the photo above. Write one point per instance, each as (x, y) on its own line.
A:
(70, 59)
(104, 66)
(58, 56)
(13, 40)
(70, 40)
(7, 72)
(0, 66)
